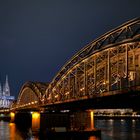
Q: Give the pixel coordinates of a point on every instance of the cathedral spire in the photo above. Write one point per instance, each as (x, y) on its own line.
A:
(6, 88)
(5, 98)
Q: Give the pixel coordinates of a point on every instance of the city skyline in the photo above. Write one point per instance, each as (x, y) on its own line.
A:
(38, 38)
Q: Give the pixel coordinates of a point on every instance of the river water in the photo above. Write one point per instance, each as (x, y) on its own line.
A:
(111, 130)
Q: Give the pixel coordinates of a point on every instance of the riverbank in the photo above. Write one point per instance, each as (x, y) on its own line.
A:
(116, 117)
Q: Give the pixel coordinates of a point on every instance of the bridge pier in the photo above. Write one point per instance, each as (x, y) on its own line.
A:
(12, 117)
(23, 120)
(54, 122)
(26, 120)
(35, 121)
(46, 121)
(82, 120)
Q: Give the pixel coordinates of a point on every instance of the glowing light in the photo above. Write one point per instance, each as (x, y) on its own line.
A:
(67, 93)
(131, 75)
(11, 124)
(35, 121)
(35, 115)
(12, 114)
(122, 120)
(64, 110)
(133, 121)
(36, 101)
(82, 89)
(56, 96)
(92, 138)
(92, 121)
(12, 131)
(104, 83)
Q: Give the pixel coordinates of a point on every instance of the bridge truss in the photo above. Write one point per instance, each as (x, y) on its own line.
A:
(106, 66)
(30, 95)
(110, 63)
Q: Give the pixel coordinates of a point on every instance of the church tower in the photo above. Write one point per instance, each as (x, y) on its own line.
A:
(6, 88)
(5, 98)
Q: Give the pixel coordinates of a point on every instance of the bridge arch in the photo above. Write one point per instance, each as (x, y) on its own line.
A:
(31, 93)
(107, 64)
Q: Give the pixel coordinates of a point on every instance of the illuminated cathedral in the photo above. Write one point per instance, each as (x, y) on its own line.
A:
(5, 98)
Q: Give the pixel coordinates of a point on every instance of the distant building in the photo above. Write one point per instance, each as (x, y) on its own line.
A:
(5, 98)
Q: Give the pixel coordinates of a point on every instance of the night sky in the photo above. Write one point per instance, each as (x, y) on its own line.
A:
(37, 37)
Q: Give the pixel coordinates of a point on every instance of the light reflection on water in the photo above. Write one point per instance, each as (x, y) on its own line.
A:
(119, 129)
(93, 138)
(8, 131)
(111, 130)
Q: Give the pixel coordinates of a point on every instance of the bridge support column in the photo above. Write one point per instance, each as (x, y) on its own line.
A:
(35, 121)
(23, 120)
(12, 117)
(54, 121)
(82, 120)
(91, 119)
(27, 120)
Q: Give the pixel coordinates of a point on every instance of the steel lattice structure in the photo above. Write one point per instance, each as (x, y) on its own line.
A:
(104, 67)
(30, 94)
(109, 63)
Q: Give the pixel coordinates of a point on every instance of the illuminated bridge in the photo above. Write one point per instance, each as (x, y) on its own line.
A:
(104, 74)
(107, 67)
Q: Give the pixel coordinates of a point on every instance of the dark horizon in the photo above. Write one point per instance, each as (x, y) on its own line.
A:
(38, 37)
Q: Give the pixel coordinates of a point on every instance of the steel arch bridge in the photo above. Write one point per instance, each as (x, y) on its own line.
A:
(30, 95)
(104, 67)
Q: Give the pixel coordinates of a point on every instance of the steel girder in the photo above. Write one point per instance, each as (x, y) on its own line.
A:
(30, 94)
(111, 62)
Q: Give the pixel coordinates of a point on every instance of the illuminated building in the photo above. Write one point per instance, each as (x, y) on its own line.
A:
(5, 98)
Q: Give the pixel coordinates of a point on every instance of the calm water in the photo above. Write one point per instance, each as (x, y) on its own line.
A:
(111, 130)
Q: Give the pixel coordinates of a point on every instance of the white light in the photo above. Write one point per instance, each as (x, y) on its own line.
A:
(66, 93)
(56, 96)
(82, 89)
